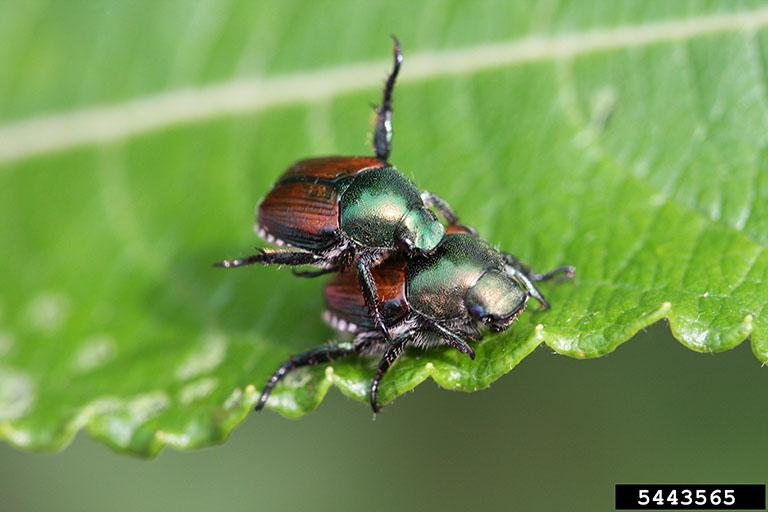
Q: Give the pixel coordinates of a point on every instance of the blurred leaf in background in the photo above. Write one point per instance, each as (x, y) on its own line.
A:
(626, 138)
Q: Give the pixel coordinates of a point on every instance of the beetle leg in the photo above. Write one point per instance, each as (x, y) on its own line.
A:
(368, 287)
(312, 357)
(532, 290)
(569, 271)
(270, 257)
(454, 340)
(314, 273)
(392, 353)
(382, 136)
(527, 277)
(441, 205)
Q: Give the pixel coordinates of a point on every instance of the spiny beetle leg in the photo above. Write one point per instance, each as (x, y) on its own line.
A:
(454, 340)
(314, 273)
(441, 205)
(392, 353)
(568, 271)
(270, 257)
(382, 136)
(312, 357)
(527, 277)
(368, 287)
(529, 286)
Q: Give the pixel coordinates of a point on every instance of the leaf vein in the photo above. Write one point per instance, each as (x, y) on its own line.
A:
(100, 124)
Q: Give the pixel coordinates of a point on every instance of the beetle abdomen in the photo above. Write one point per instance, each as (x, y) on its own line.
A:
(345, 302)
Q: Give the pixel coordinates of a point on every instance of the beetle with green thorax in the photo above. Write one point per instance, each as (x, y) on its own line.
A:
(448, 297)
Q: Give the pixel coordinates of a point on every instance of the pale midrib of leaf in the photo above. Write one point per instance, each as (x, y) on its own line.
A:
(98, 124)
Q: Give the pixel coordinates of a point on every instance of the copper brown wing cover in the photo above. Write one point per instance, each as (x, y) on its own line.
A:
(331, 167)
(302, 209)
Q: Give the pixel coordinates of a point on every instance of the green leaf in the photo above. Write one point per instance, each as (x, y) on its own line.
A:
(628, 140)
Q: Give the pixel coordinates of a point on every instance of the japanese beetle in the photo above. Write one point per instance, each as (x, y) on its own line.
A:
(340, 212)
(449, 297)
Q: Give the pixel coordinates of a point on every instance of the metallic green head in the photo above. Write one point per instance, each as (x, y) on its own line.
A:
(419, 231)
(496, 300)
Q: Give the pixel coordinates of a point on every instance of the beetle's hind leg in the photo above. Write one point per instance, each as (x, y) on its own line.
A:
(382, 135)
(312, 357)
(272, 257)
(528, 277)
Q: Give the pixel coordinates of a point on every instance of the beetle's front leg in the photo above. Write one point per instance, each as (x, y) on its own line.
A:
(442, 206)
(368, 287)
(454, 340)
(528, 277)
(568, 270)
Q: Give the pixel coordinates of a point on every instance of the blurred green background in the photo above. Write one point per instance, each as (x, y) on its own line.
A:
(554, 434)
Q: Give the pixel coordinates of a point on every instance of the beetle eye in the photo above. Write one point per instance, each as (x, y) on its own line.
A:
(478, 311)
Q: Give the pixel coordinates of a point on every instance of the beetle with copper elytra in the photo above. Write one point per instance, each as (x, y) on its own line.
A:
(448, 297)
(345, 212)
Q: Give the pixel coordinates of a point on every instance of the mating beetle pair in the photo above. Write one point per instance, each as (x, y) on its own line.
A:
(403, 278)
